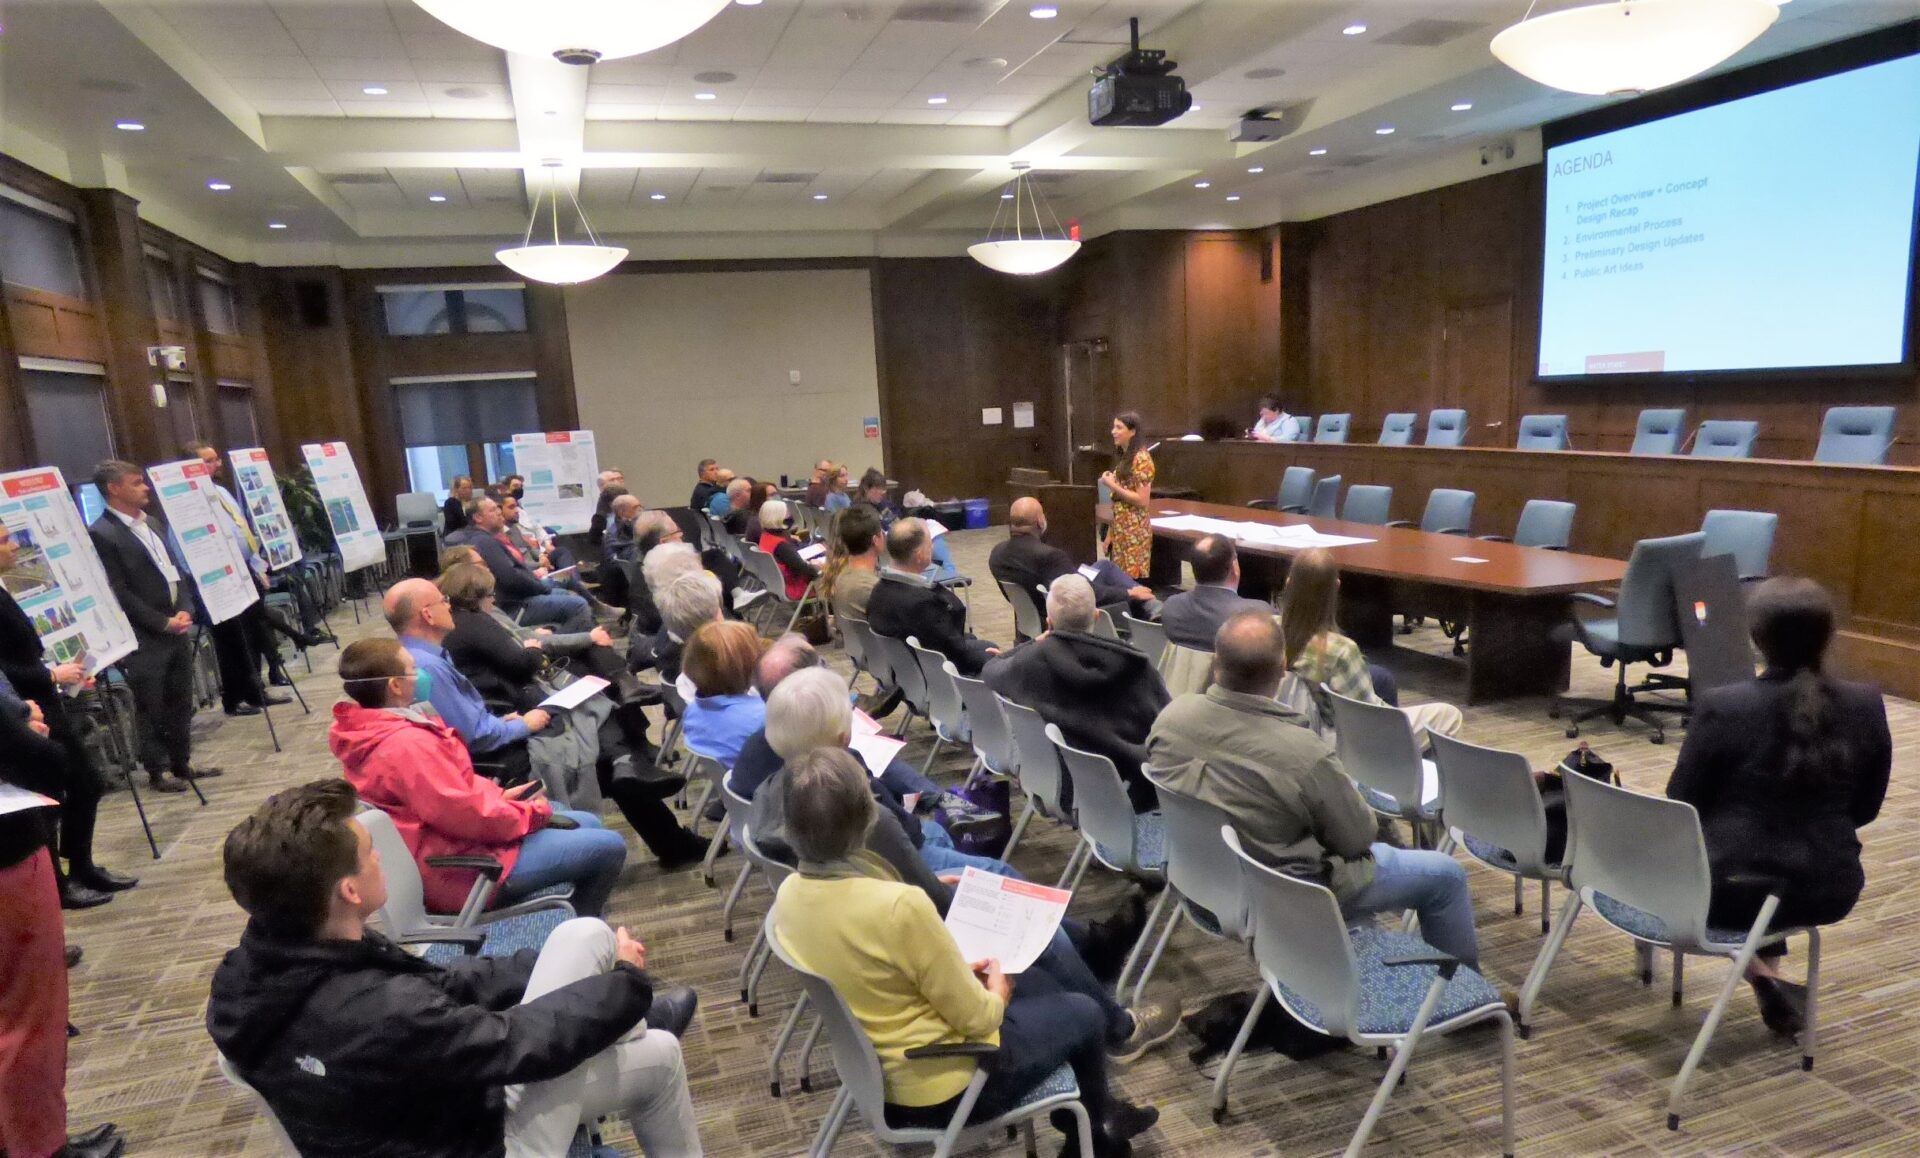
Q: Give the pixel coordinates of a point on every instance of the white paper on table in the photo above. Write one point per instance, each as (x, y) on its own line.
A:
(576, 693)
(878, 751)
(1005, 919)
(1468, 559)
(14, 798)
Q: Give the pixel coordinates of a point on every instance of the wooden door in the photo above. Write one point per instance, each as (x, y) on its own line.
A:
(1086, 383)
(1476, 360)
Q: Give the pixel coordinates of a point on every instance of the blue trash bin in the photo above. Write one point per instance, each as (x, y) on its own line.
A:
(977, 514)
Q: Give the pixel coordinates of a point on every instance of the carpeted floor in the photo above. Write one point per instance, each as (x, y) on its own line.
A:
(1592, 1080)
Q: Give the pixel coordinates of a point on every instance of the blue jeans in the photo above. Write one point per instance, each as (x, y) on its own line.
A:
(1385, 685)
(561, 610)
(589, 858)
(902, 779)
(1432, 884)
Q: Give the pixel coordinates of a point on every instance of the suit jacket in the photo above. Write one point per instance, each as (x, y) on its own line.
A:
(513, 579)
(135, 579)
(903, 605)
(1193, 618)
(21, 655)
(1754, 821)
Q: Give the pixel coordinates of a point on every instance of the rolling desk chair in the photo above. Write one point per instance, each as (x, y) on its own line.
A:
(1659, 432)
(1367, 504)
(1544, 523)
(1542, 432)
(1326, 493)
(1447, 428)
(1397, 430)
(1644, 628)
(1856, 434)
(1449, 512)
(1725, 438)
(1296, 492)
(1332, 428)
(1746, 535)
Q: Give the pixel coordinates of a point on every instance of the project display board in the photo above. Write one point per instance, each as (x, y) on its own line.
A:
(348, 513)
(562, 472)
(260, 494)
(214, 562)
(57, 579)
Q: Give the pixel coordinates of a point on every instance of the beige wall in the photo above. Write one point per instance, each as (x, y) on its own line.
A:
(672, 368)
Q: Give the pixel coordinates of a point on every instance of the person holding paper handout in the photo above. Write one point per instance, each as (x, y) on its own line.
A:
(881, 944)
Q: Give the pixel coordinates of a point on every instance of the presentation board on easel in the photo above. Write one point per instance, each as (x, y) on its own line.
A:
(57, 578)
(562, 473)
(345, 498)
(213, 560)
(266, 511)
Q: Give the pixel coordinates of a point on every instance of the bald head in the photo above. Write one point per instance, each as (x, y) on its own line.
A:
(1027, 517)
(790, 653)
(1249, 654)
(416, 607)
(625, 507)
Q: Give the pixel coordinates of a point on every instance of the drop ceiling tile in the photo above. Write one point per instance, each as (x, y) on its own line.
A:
(979, 117)
(878, 80)
(1027, 83)
(322, 42)
(812, 78)
(856, 100)
(621, 94)
(474, 71)
(386, 108)
(365, 68)
(749, 113)
(807, 98)
(703, 112)
(629, 71)
(246, 66)
(255, 88)
(623, 112)
(280, 108)
(348, 16)
(1000, 102)
(397, 91)
(241, 40)
(473, 110)
(447, 45)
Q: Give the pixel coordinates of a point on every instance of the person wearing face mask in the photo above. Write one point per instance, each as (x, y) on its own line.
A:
(404, 760)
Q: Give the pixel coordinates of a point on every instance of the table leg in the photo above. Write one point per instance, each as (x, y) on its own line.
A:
(1511, 649)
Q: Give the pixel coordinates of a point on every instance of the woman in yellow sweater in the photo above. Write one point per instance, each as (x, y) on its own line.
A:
(848, 918)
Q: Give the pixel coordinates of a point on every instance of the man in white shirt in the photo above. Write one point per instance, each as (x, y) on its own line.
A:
(241, 643)
(142, 575)
(1275, 424)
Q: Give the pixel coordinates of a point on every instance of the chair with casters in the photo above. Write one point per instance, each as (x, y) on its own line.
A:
(1725, 438)
(1378, 749)
(945, 711)
(1042, 778)
(1133, 844)
(863, 1083)
(1659, 432)
(986, 727)
(1644, 628)
(1028, 623)
(1326, 496)
(1449, 512)
(1856, 434)
(1368, 504)
(474, 930)
(1491, 807)
(1542, 432)
(1376, 988)
(1202, 875)
(1296, 492)
(1447, 428)
(906, 676)
(1544, 523)
(1332, 428)
(1147, 637)
(1746, 535)
(1713, 624)
(1640, 863)
(1397, 430)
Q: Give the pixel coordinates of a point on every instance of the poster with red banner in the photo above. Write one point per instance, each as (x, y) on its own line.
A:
(338, 482)
(260, 494)
(56, 576)
(561, 469)
(213, 561)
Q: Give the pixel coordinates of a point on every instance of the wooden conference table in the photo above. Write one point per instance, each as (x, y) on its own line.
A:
(1510, 602)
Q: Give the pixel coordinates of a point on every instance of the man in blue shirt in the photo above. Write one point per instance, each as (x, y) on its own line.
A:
(421, 616)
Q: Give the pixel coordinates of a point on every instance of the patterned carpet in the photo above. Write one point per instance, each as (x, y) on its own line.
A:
(1593, 1079)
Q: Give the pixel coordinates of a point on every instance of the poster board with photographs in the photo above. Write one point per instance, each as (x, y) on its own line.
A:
(260, 495)
(213, 560)
(57, 578)
(562, 469)
(348, 512)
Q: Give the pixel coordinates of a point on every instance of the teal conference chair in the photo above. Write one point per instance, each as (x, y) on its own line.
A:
(1644, 628)
(1397, 430)
(1542, 432)
(1725, 438)
(1659, 432)
(1544, 523)
(1326, 493)
(1856, 434)
(1447, 428)
(1449, 512)
(1367, 504)
(1296, 492)
(1746, 535)
(1332, 428)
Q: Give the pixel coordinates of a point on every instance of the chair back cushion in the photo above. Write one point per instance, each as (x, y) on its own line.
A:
(1746, 535)
(1659, 432)
(1296, 486)
(1542, 432)
(1725, 438)
(1856, 434)
(1368, 504)
(1648, 616)
(1545, 523)
(1448, 510)
(1447, 428)
(1332, 428)
(1646, 851)
(1397, 430)
(1326, 495)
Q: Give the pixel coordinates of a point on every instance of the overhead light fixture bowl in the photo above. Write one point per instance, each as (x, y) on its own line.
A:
(1023, 256)
(561, 264)
(575, 31)
(1626, 47)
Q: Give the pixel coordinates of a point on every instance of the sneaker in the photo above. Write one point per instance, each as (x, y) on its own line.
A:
(1153, 1022)
(963, 814)
(1783, 1005)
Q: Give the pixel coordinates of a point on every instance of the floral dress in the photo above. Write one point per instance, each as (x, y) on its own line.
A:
(1130, 539)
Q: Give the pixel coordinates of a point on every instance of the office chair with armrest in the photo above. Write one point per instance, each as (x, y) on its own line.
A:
(1449, 512)
(1367, 504)
(1326, 494)
(1659, 432)
(1542, 432)
(1746, 535)
(1856, 434)
(1725, 438)
(1296, 492)
(1332, 428)
(1644, 628)
(1447, 428)
(1544, 523)
(1397, 430)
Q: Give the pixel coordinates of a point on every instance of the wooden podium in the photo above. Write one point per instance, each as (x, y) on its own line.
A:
(1072, 522)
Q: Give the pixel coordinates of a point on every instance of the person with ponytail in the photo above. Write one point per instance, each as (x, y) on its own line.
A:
(1783, 769)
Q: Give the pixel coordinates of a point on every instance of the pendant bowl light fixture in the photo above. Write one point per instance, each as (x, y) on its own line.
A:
(1626, 47)
(575, 31)
(1029, 249)
(557, 262)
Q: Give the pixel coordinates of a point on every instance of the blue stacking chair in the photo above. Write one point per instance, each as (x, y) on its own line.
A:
(1397, 430)
(1447, 428)
(1856, 434)
(1659, 432)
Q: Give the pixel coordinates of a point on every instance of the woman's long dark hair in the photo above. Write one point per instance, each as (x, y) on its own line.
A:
(1123, 456)
(1791, 624)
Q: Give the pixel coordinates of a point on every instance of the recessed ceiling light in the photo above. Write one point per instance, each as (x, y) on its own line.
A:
(1383, 131)
(373, 90)
(436, 198)
(1006, 196)
(748, 3)
(276, 225)
(1203, 184)
(218, 186)
(1354, 29)
(819, 196)
(130, 126)
(936, 100)
(706, 96)
(1462, 106)
(1316, 152)
(656, 196)
(1043, 12)
(1256, 168)
(1233, 196)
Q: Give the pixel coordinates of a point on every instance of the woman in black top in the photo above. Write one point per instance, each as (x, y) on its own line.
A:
(455, 508)
(1783, 769)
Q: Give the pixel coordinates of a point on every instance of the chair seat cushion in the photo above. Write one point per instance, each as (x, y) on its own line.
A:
(1058, 1084)
(1390, 997)
(1429, 793)
(1647, 927)
(1149, 843)
(505, 937)
(1491, 854)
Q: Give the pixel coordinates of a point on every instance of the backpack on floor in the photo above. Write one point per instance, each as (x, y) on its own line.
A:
(1218, 1022)
(986, 840)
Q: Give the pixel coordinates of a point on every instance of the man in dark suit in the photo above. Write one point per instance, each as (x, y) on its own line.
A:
(518, 583)
(1193, 618)
(904, 602)
(141, 572)
(1027, 561)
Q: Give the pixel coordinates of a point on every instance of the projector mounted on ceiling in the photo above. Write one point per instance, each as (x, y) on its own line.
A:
(1138, 89)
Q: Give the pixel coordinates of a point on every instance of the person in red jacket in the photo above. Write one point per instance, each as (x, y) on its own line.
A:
(403, 760)
(776, 541)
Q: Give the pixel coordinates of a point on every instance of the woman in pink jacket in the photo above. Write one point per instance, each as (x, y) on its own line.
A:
(404, 761)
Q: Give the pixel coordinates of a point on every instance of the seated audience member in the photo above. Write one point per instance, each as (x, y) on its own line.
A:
(1319, 654)
(719, 662)
(723, 501)
(521, 586)
(622, 513)
(1275, 424)
(836, 498)
(775, 540)
(1027, 561)
(1783, 769)
(422, 618)
(904, 602)
(691, 599)
(515, 485)
(1236, 747)
(649, 530)
(525, 536)
(454, 510)
(1102, 694)
(362, 1048)
(873, 493)
(817, 482)
(611, 481)
(853, 565)
(706, 486)
(411, 766)
(847, 917)
(1193, 618)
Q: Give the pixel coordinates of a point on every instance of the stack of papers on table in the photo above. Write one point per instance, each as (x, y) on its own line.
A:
(1289, 537)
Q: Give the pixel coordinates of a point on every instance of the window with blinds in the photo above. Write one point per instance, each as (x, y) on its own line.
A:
(419, 310)
(67, 415)
(38, 249)
(463, 426)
